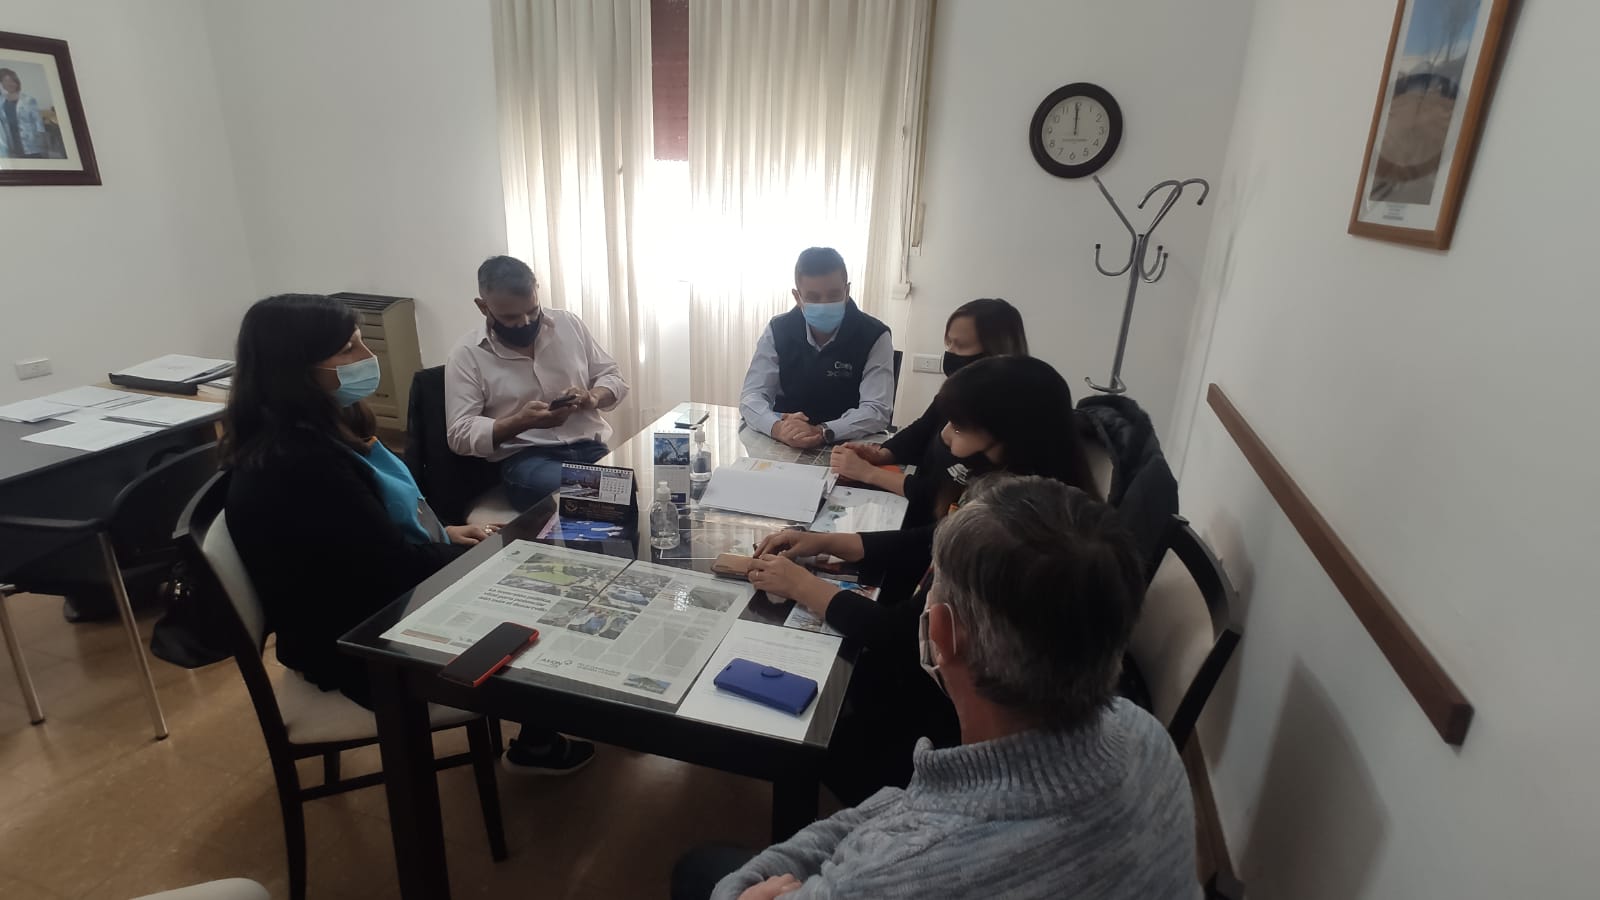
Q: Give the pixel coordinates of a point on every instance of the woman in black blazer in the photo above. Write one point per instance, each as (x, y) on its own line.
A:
(977, 329)
(330, 524)
(1005, 414)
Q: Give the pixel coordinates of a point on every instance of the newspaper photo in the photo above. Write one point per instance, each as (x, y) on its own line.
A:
(519, 584)
(626, 625)
(649, 632)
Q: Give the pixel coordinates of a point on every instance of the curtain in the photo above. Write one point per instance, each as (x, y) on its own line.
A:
(805, 128)
(573, 86)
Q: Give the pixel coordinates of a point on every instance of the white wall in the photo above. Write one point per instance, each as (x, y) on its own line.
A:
(365, 140)
(997, 225)
(1439, 410)
(152, 260)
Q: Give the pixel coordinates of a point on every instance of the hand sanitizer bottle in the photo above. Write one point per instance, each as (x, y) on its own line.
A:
(700, 462)
(663, 519)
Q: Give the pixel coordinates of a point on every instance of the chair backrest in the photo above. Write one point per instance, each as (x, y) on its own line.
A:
(448, 481)
(219, 577)
(144, 513)
(1185, 634)
(899, 357)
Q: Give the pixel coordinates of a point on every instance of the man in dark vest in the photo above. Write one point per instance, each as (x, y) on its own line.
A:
(824, 371)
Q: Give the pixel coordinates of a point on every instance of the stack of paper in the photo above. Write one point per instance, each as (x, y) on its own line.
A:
(90, 436)
(31, 411)
(761, 487)
(176, 367)
(165, 411)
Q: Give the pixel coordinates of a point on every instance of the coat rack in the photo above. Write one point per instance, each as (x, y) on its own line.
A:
(1135, 267)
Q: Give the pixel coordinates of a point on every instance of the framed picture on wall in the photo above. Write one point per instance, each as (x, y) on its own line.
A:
(1436, 84)
(44, 138)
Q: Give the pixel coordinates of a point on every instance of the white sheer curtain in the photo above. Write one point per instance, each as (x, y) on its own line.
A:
(573, 84)
(804, 129)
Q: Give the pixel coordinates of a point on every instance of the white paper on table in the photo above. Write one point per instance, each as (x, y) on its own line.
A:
(166, 411)
(97, 397)
(801, 652)
(87, 414)
(761, 487)
(176, 367)
(30, 411)
(860, 509)
(90, 435)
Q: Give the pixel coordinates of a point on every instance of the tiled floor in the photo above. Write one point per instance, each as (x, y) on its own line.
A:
(91, 807)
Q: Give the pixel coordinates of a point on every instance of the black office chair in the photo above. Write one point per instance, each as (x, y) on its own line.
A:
(899, 357)
(133, 541)
(1185, 634)
(451, 483)
(298, 719)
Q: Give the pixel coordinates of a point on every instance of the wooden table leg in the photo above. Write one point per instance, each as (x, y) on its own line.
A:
(794, 803)
(412, 787)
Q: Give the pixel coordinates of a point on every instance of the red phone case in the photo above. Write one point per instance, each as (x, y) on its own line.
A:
(493, 652)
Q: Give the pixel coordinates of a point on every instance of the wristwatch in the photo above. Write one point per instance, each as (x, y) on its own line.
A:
(827, 435)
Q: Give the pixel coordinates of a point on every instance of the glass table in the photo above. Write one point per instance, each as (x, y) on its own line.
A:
(405, 677)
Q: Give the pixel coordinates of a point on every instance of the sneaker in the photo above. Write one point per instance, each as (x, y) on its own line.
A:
(564, 756)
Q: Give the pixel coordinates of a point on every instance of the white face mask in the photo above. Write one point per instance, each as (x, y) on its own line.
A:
(927, 653)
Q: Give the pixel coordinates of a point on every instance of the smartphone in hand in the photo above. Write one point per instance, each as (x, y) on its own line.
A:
(563, 401)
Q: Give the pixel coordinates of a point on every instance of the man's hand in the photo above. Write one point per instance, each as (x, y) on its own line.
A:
(776, 886)
(538, 414)
(587, 399)
(795, 431)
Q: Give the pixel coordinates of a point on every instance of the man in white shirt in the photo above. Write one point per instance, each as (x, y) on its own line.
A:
(824, 371)
(526, 389)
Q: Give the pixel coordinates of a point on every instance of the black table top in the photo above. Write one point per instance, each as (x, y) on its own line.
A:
(704, 534)
(20, 459)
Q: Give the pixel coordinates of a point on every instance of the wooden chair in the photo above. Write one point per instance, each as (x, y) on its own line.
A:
(299, 720)
(1185, 634)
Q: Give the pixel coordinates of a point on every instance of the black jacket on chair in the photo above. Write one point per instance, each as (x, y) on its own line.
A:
(449, 481)
(1143, 488)
(323, 555)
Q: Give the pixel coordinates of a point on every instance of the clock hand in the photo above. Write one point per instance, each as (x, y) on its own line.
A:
(1077, 109)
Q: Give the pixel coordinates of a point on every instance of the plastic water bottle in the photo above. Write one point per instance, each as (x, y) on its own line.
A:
(700, 463)
(663, 519)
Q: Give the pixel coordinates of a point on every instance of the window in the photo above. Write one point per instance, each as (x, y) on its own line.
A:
(669, 73)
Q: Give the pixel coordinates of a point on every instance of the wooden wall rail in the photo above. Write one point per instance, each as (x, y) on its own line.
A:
(1419, 671)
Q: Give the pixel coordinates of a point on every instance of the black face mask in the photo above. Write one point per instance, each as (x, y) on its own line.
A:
(954, 363)
(520, 335)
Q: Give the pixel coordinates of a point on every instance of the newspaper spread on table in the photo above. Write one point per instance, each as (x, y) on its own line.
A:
(625, 625)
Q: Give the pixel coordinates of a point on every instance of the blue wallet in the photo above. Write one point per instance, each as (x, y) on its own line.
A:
(767, 685)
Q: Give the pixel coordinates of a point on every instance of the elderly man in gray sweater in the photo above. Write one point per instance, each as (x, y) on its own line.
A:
(1059, 789)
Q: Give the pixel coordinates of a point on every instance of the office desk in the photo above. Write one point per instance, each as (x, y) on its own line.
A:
(57, 482)
(405, 678)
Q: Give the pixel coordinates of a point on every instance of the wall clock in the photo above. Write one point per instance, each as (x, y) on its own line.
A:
(1075, 130)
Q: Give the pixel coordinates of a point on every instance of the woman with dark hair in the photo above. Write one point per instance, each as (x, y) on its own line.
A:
(977, 329)
(329, 523)
(1006, 414)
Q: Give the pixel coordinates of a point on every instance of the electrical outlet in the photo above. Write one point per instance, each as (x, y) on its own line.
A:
(32, 368)
(927, 364)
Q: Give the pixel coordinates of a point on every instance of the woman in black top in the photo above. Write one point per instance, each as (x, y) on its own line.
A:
(1010, 413)
(977, 329)
(329, 524)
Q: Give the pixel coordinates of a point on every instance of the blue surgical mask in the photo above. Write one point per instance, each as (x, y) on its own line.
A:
(824, 317)
(357, 381)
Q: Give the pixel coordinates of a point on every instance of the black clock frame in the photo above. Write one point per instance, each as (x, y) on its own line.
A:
(1113, 131)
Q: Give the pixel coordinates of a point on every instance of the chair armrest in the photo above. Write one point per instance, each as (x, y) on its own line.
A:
(53, 526)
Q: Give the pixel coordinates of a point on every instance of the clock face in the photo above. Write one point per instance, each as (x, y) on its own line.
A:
(1076, 130)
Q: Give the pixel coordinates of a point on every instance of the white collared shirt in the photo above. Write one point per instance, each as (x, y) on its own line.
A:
(485, 379)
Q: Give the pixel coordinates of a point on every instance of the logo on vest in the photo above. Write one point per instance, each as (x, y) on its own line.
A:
(842, 370)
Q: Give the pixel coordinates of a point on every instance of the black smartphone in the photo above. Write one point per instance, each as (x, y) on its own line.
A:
(493, 652)
(563, 401)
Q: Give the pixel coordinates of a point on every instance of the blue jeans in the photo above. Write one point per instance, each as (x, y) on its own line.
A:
(535, 473)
